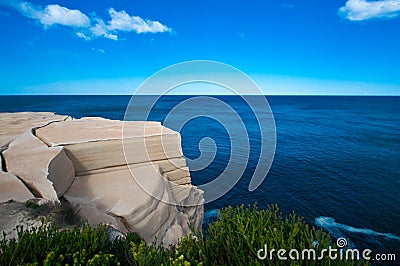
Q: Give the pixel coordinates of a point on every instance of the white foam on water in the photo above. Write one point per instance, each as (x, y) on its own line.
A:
(329, 224)
(211, 214)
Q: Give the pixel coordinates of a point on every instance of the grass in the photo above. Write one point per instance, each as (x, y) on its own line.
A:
(234, 239)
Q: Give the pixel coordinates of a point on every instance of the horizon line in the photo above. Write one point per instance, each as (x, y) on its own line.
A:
(318, 95)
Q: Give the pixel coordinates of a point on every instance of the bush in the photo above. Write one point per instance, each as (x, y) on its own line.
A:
(234, 239)
(240, 232)
(49, 246)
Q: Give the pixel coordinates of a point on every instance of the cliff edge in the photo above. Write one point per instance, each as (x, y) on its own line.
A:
(130, 175)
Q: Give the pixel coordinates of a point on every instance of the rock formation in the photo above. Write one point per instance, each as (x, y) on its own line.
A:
(46, 171)
(131, 175)
(14, 124)
(12, 188)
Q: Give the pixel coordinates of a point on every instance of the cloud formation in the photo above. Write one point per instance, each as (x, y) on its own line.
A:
(100, 29)
(122, 21)
(359, 10)
(54, 14)
(98, 50)
(84, 27)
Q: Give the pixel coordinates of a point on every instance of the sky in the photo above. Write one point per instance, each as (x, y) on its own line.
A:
(338, 47)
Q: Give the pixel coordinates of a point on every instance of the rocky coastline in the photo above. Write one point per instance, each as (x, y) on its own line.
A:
(129, 175)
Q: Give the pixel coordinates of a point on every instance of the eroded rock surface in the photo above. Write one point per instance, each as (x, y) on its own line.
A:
(11, 188)
(132, 142)
(130, 175)
(14, 124)
(46, 171)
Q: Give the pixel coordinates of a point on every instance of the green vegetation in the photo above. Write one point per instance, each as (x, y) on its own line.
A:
(233, 239)
(31, 204)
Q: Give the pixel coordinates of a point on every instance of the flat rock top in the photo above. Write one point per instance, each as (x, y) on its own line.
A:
(14, 124)
(91, 129)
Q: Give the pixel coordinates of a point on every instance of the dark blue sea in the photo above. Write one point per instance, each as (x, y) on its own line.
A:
(337, 159)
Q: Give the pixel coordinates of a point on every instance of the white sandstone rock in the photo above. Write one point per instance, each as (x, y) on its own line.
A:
(45, 170)
(97, 144)
(131, 201)
(11, 188)
(172, 236)
(14, 124)
(130, 175)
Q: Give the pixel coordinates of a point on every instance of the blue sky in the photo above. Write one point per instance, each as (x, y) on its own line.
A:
(287, 47)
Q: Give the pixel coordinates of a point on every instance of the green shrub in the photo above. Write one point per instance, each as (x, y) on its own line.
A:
(188, 252)
(121, 248)
(238, 234)
(234, 239)
(49, 246)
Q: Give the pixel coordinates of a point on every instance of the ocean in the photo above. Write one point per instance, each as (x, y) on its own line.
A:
(337, 158)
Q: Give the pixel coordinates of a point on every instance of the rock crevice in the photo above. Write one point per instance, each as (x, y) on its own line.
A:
(3, 163)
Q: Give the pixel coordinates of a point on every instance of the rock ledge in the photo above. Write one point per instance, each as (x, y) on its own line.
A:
(130, 175)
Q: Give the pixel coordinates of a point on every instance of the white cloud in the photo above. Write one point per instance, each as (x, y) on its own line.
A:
(99, 50)
(54, 14)
(84, 27)
(83, 36)
(120, 20)
(100, 29)
(359, 10)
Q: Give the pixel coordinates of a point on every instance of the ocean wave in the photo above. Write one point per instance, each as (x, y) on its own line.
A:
(329, 224)
(210, 216)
